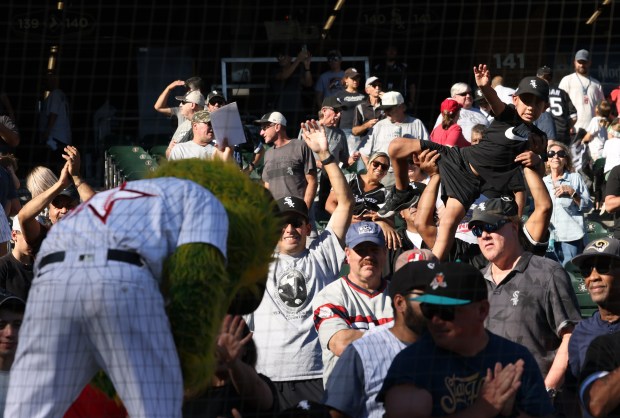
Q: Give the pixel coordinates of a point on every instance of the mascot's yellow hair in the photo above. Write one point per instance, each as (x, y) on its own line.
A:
(198, 284)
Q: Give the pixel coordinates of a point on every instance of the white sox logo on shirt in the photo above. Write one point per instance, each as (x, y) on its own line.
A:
(102, 209)
(515, 298)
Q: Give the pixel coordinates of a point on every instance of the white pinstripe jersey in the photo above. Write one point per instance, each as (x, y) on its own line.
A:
(152, 217)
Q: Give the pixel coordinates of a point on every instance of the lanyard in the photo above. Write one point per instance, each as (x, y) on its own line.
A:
(585, 89)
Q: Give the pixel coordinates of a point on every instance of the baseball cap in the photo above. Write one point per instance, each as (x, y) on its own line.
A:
(412, 275)
(70, 192)
(272, 117)
(535, 86)
(390, 100)
(450, 105)
(582, 55)
(8, 298)
(364, 232)
(479, 96)
(193, 96)
(494, 210)
(202, 116)
(608, 247)
(15, 226)
(292, 204)
(544, 70)
(215, 94)
(371, 80)
(410, 256)
(333, 102)
(454, 284)
(351, 73)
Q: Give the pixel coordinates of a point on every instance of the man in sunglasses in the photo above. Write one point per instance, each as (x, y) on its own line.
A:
(469, 115)
(531, 298)
(358, 375)
(190, 103)
(600, 267)
(357, 302)
(284, 333)
(459, 367)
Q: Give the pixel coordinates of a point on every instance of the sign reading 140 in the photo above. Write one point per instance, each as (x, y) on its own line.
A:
(508, 61)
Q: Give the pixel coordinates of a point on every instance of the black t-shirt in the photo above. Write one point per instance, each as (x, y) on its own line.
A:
(370, 200)
(613, 189)
(561, 107)
(15, 276)
(350, 100)
(493, 158)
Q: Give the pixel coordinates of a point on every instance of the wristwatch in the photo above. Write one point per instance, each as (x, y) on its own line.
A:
(328, 160)
(552, 393)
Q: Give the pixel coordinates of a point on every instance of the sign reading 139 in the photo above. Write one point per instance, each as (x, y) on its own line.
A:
(509, 61)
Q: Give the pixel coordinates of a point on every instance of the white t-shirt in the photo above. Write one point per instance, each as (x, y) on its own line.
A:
(467, 119)
(284, 334)
(585, 103)
(599, 136)
(191, 149)
(611, 152)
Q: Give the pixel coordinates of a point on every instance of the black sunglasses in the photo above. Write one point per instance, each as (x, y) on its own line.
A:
(561, 154)
(214, 102)
(377, 164)
(464, 94)
(294, 221)
(445, 313)
(604, 265)
(478, 229)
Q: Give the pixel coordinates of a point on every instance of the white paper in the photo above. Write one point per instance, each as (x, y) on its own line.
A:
(226, 123)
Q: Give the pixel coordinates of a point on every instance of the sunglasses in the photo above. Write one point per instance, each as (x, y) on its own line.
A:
(445, 313)
(377, 164)
(377, 86)
(560, 154)
(604, 265)
(266, 126)
(478, 229)
(467, 93)
(294, 221)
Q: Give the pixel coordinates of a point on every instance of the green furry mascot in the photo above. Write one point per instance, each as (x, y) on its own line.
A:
(197, 283)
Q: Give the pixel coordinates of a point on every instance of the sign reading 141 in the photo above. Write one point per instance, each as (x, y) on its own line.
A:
(508, 61)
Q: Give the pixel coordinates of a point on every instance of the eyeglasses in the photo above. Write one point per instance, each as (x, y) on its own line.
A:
(377, 164)
(294, 221)
(182, 103)
(485, 227)
(445, 313)
(467, 93)
(604, 265)
(214, 102)
(266, 126)
(561, 154)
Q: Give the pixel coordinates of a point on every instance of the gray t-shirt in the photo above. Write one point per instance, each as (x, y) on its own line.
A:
(286, 340)
(286, 168)
(532, 305)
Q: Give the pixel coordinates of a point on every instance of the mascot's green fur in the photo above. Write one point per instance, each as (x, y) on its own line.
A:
(198, 284)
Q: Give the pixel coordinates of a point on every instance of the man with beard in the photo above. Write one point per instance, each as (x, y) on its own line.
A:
(359, 373)
(357, 302)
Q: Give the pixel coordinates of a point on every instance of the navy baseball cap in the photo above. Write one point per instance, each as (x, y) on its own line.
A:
(365, 232)
(8, 299)
(535, 86)
(602, 247)
(454, 284)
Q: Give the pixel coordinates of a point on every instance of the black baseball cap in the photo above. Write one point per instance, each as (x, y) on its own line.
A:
(11, 301)
(292, 204)
(412, 275)
(454, 284)
(535, 86)
(543, 71)
(494, 210)
(333, 102)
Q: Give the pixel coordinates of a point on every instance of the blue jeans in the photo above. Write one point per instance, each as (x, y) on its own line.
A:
(565, 251)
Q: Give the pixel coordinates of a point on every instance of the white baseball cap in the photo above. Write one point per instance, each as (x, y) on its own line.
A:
(194, 96)
(391, 99)
(272, 117)
(371, 80)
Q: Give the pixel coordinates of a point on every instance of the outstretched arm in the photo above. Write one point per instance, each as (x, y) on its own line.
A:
(483, 81)
(314, 135)
(160, 104)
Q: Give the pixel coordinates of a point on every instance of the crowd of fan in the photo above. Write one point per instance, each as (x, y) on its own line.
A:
(419, 272)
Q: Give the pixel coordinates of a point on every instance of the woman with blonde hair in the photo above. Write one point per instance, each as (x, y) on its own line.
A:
(570, 198)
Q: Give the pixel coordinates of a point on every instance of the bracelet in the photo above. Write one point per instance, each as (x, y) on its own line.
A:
(328, 160)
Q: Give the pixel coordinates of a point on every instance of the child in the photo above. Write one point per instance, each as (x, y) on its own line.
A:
(491, 167)
(449, 132)
(597, 130)
(611, 149)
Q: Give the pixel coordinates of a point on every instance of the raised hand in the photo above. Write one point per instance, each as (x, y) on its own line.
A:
(230, 342)
(428, 161)
(482, 75)
(314, 135)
